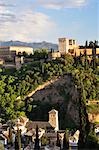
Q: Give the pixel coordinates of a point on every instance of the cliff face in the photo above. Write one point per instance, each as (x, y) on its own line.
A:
(62, 95)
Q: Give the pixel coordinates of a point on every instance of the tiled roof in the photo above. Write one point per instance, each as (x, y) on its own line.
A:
(41, 124)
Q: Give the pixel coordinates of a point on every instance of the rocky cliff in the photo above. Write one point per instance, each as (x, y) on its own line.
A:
(60, 94)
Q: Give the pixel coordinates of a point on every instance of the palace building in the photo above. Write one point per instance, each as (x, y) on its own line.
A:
(12, 51)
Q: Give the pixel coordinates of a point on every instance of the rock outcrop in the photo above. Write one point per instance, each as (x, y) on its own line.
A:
(60, 93)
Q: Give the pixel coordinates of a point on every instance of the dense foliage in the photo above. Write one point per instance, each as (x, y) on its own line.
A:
(15, 85)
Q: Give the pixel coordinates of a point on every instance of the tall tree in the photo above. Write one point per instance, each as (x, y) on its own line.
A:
(86, 59)
(37, 147)
(66, 140)
(18, 140)
(94, 56)
(58, 142)
(83, 116)
(10, 139)
(86, 44)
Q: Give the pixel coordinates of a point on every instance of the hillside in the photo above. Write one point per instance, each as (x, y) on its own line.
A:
(53, 84)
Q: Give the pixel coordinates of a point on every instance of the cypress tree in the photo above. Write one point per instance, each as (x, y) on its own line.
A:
(10, 137)
(37, 147)
(10, 141)
(80, 56)
(84, 122)
(86, 44)
(87, 138)
(75, 59)
(86, 59)
(66, 141)
(18, 140)
(94, 56)
(58, 143)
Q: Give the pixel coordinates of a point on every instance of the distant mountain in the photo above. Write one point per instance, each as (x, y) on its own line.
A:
(34, 44)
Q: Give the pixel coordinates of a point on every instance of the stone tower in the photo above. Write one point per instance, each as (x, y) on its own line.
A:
(53, 119)
(66, 45)
(63, 47)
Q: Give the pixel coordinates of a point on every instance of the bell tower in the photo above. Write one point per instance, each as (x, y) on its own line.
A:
(53, 119)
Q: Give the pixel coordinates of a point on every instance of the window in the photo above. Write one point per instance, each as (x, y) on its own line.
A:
(71, 51)
(70, 42)
(74, 42)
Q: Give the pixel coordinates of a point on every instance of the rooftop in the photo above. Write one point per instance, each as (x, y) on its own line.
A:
(41, 124)
(53, 110)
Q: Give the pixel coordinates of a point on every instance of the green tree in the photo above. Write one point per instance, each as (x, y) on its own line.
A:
(85, 136)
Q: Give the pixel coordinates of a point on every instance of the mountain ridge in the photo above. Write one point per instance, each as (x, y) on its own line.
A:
(34, 45)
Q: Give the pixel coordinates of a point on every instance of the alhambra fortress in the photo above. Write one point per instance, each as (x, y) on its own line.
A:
(65, 46)
(12, 56)
(70, 46)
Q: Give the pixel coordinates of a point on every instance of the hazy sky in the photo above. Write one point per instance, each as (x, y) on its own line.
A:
(47, 20)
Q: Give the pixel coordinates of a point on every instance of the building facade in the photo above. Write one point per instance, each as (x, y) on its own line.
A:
(21, 49)
(6, 53)
(12, 51)
(12, 56)
(53, 55)
(67, 45)
(89, 52)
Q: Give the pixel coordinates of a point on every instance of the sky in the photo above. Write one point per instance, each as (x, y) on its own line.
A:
(47, 20)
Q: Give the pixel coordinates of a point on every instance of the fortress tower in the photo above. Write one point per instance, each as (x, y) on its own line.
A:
(53, 119)
(67, 45)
